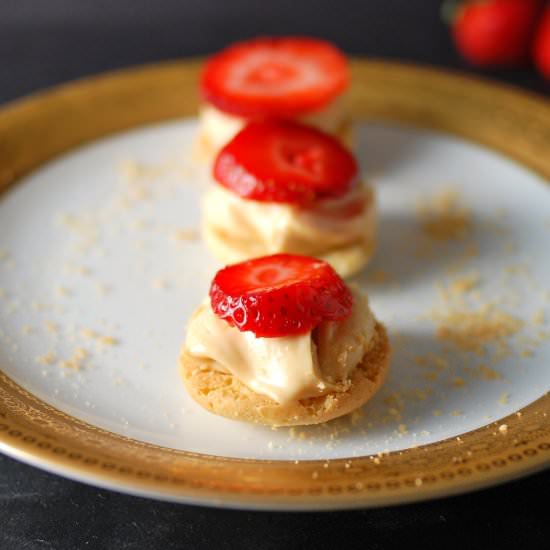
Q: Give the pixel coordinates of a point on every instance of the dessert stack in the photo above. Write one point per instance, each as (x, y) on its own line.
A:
(282, 339)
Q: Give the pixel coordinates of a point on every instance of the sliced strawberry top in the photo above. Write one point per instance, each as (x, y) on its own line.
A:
(282, 77)
(283, 161)
(279, 295)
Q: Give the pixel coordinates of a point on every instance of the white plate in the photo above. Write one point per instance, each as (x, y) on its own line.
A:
(86, 252)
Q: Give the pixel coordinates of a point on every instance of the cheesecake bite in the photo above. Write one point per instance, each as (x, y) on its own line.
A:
(283, 341)
(285, 77)
(281, 186)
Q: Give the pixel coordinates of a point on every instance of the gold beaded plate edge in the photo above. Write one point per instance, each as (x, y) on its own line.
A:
(512, 122)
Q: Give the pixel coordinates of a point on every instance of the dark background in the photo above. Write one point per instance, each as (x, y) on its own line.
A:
(45, 42)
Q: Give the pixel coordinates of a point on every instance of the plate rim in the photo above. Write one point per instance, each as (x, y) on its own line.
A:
(36, 433)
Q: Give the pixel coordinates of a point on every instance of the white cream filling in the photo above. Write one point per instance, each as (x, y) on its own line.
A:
(289, 368)
(218, 127)
(258, 227)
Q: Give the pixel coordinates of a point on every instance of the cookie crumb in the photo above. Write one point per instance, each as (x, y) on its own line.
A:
(48, 358)
(62, 291)
(182, 235)
(107, 340)
(443, 218)
(51, 327)
(538, 318)
(87, 333)
(159, 284)
(465, 284)
(458, 382)
(504, 397)
(379, 276)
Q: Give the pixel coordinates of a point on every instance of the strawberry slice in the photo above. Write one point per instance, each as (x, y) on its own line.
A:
(283, 161)
(282, 77)
(279, 295)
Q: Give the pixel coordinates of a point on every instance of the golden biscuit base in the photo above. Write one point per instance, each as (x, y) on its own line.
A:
(223, 394)
(204, 150)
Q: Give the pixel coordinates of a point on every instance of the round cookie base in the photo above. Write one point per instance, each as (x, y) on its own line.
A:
(223, 394)
(346, 260)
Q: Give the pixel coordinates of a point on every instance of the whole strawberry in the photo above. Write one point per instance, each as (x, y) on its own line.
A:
(541, 45)
(495, 32)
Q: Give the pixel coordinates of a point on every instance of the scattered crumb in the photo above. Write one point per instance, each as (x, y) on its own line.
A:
(471, 329)
(504, 398)
(62, 291)
(503, 428)
(134, 171)
(182, 235)
(458, 382)
(159, 284)
(107, 340)
(379, 276)
(538, 317)
(80, 353)
(488, 373)
(76, 361)
(465, 284)
(443, 218)
(101, 288)
(71, 269)
(51, 327)
(517, 269)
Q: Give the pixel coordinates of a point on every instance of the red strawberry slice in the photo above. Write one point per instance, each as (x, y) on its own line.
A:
(283, 161)
(279, 295)
(282, 77)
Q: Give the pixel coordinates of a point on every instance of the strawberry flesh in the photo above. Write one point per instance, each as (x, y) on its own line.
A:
(283, 161)
(495, 32)
(276, 77)
(279, 295)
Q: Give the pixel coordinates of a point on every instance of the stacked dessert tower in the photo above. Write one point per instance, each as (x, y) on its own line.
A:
(282, 340)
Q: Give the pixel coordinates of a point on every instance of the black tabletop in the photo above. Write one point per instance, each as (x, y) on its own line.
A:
(45, 43)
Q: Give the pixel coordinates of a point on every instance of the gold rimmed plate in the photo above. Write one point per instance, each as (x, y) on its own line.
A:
(101, 265)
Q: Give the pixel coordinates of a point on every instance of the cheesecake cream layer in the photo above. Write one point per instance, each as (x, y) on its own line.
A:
(218, 128)
(256, 228)
(289, 368)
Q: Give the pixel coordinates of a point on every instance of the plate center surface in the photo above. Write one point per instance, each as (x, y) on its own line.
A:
(101, 267)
